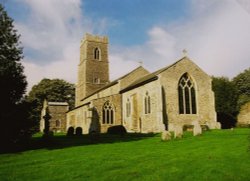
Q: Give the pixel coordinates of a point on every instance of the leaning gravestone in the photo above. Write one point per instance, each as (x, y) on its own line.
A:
(178, 131)
(197, 128)
(165, 136)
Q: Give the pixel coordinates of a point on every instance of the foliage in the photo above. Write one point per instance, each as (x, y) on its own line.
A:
(12, 80)
(225, 96)
(117, 130)
(242, 83)
(227, 121)
(54, 90)
(215, 155)
(14, 117)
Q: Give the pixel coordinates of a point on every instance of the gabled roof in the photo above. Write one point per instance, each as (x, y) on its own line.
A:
(146, 79)
(113, 82)
(149, 78)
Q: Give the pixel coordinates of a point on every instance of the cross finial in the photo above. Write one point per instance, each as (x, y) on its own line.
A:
(184, 51)
(140, 63)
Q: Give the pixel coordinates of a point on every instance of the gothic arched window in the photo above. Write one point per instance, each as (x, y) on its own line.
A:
(147, 104)
(128, 108)
(97, 54)
(187, 98)
(108, 113)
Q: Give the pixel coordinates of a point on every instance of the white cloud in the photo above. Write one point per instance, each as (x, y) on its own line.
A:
(216, 36)
(54, 30)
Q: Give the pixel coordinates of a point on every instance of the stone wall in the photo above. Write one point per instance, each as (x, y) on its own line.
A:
(138, 120)
(80, 117)
(57, 112)
(244, 115)
(98, 106)
(204, 95)
(89, 117)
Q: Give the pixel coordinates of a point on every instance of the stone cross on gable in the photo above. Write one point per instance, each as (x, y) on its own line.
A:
(184, 51)
(140, 63)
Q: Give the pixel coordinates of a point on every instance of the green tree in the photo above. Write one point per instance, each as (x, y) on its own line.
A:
(54, 90)
(242, 83)
(225, 101)
(12, 80)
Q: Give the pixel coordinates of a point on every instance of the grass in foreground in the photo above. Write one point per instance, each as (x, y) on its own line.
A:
(215, 155)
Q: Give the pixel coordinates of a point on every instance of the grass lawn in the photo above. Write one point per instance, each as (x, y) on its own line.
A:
(215, 155)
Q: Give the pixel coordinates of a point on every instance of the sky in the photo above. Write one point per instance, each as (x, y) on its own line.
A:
(215, 33)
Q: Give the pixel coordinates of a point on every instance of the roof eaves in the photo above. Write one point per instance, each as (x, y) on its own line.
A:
(112, 83)
(139, 83)
(106, 86)
(78, 107)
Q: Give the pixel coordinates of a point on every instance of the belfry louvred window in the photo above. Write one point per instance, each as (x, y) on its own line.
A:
(97, 54)
(108, 113)
(187, 97)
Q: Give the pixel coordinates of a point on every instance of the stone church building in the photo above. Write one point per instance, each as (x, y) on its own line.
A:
(143, 102)
(57, 116)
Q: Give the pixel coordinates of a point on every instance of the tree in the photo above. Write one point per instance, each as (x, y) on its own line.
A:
(54, 90)
(12, 80)
(225, 101)
(242, 83)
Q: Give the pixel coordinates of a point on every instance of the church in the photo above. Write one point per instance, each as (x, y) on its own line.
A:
(143, 102)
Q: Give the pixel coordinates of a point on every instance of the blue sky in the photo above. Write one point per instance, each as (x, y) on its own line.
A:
(132, 18)
(215, 34)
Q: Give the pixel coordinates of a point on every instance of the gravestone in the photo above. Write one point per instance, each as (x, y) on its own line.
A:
(165, 135)
(197, 128)
(178, 131)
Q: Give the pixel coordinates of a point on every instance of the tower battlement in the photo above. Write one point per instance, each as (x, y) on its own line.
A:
(95, 38)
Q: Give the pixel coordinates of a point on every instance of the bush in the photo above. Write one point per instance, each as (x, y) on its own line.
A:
(117, 130)
(70, 131)
(78, 131)
(227, 121)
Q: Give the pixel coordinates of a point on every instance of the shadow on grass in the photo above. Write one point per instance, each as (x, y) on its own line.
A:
(62, 141)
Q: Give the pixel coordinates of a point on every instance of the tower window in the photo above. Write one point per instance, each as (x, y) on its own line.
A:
(96, 80)
(108, 113)
(147, 104)
(187, 98)
(97, 54)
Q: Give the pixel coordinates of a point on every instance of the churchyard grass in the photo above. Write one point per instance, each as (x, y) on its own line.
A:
(214, 155)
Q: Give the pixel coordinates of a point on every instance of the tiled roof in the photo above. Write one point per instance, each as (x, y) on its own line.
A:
(148, 78)
(112, 83)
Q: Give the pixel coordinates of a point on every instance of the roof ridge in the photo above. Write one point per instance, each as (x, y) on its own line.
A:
(150, 77)
(113, 82)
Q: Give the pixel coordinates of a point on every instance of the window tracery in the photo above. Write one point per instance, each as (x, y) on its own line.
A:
(187, 97)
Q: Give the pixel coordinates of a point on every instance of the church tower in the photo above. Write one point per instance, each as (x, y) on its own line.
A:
(93, 69)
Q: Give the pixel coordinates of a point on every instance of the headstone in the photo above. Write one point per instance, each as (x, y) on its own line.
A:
(178, 131)
(165, 136)
(197, 128)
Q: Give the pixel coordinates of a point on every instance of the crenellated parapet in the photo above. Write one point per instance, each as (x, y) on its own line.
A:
(95, 38)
